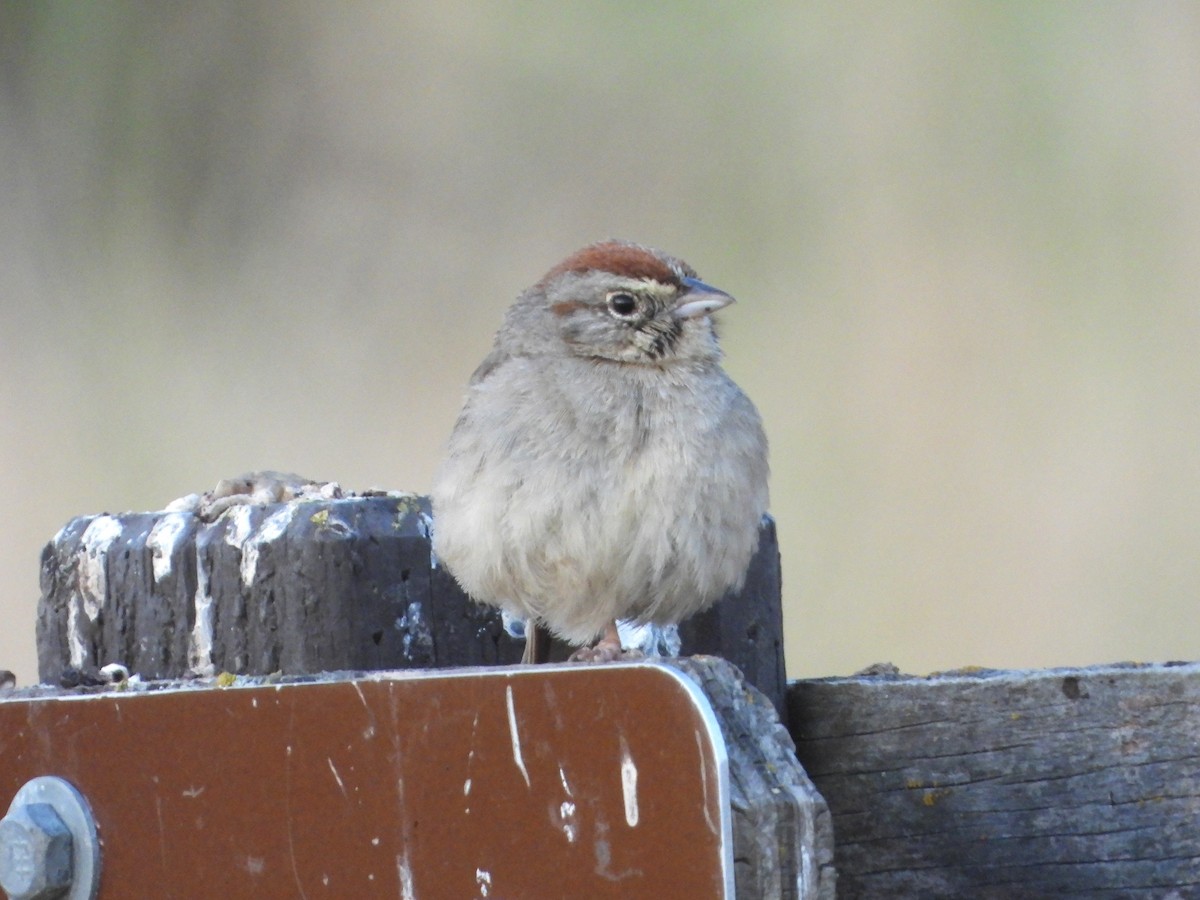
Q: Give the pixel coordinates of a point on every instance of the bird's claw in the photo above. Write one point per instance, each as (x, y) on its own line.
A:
(605, 651)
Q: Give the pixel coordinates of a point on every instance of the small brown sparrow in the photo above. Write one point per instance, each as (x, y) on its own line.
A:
(604, 466)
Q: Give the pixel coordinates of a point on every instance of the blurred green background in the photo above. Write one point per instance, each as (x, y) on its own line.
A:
(965, 238)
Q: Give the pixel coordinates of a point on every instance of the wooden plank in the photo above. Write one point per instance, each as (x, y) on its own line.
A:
(782, 831)
(1009, 784)
(313, 585)
(524, 781)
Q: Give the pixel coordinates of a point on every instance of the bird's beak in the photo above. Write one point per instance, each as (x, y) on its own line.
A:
(700, 299)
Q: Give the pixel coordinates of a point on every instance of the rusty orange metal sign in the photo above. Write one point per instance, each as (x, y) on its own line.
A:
(554, 781)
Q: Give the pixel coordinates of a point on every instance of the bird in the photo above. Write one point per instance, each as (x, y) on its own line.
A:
(604, 466)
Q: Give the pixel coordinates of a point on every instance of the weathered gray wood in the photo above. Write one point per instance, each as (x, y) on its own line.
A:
(746, 628)
(782, 831)
(297, 587)
(312, 585)
(1009, 784)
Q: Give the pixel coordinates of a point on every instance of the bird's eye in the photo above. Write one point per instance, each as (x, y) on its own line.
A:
(622, 304)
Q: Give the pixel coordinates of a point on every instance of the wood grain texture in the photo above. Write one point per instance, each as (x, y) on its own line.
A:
(310, 586)
(746, 627)
(782, 831)
(1082, 782)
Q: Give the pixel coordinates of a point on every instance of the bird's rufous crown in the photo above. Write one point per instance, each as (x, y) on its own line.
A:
(626, 260)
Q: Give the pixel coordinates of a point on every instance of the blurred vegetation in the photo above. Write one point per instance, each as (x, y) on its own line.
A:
(251, 235)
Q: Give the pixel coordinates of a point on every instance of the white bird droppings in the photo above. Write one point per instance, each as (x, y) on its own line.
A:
(425, 529)
(200, 642)
(93, 573)
(239, 526)
(162, 540)
(270, 530)
(95, 542)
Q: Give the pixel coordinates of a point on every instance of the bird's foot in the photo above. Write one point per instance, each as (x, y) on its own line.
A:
(600, 652)
(607, 649)
(537, 644)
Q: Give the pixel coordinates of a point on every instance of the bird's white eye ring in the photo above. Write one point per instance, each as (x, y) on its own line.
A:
(622, 304)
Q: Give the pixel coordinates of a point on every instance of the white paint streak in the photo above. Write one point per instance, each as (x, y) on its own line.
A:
(566, 810)
(162, 833)
(570, 828)
(337, 777)
(712, 826)
(629, 776)
(369, 731)
(483, 878)
(470, 762)
(287, 798)
(163, 540)
(516, 738)
(193, 792)
(404, 873)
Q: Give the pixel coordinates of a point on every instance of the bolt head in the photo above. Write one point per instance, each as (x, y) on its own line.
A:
(35, 853)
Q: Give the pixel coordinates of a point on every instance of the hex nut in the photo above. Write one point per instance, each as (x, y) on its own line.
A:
(35, 853)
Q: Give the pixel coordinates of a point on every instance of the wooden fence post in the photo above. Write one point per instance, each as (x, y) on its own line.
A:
(311, 586)
(973, 784)
(319, 585)
(1009, 784)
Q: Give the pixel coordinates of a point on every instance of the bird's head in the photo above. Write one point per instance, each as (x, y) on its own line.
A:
(622, 302)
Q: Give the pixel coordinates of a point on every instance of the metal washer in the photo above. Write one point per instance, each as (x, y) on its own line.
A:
(72, 807)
